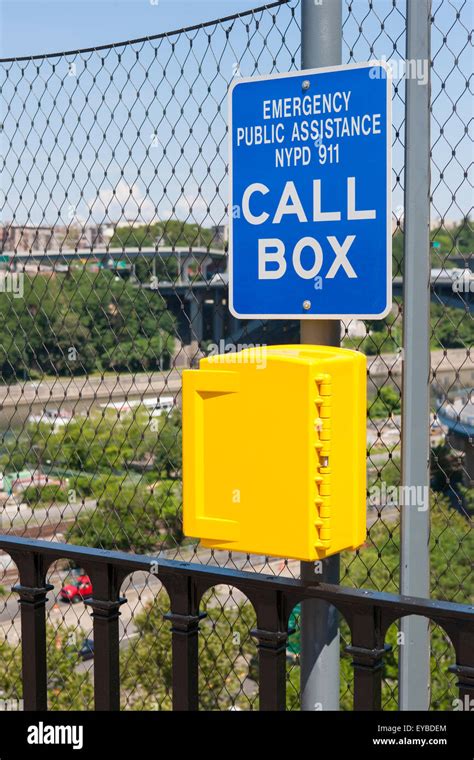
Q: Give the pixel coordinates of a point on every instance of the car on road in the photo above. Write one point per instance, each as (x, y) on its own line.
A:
(86, 652)
(76, 590)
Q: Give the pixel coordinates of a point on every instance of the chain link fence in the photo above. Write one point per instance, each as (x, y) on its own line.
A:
(113, 279)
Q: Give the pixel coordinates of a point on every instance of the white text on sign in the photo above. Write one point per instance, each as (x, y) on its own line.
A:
(271, 251)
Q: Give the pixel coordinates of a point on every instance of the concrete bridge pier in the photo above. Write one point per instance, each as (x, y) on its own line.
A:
(196, 317)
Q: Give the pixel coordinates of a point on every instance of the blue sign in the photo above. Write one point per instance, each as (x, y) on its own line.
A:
(310, 229)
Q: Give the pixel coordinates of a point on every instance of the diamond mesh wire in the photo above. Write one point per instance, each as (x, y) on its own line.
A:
(113, 273)
(452, 320)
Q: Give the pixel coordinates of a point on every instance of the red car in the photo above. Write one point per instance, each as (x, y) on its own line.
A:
(77, 590)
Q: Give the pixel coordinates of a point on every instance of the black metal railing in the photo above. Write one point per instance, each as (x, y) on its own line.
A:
(368, 614)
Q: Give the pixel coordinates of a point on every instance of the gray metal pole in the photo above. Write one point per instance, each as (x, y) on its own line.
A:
(415, 520)
(321, 45)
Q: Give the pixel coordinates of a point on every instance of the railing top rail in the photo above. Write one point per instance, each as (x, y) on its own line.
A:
(405, 605)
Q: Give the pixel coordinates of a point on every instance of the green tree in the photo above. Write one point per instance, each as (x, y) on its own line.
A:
(170, 233)
(451, 328)
(131, 518)
(451, 578)
(467, 495)
(387, 403)
(451, 542)
(168, 448)
(68, 688)
(446, 468)
(41, 495)
(84, 322)
(105, 442)
(226, 650)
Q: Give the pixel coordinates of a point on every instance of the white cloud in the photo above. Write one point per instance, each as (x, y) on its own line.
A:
(121, 203)
(128, 202)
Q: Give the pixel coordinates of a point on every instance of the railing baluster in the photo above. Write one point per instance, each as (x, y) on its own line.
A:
(462, 637)
(367, 650)
(185, 644)
(272, 668)
(33, 645)
(368, 666)
(465, 684)
(105, 603)
(184, 616)
(369, 615)
(32, 591)
(271, 634)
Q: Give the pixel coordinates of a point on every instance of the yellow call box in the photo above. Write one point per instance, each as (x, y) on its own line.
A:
(274, 451)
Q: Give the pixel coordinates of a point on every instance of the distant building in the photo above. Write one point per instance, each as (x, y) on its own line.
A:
(92, 236)
(25, 238)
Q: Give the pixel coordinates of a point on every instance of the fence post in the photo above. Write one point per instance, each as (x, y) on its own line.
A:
(415, 520)
(321, 45)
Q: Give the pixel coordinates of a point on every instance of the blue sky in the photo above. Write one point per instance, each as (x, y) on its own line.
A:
(48, 26)
(40, 187)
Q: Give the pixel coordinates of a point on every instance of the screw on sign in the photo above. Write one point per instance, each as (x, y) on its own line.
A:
(310, 168)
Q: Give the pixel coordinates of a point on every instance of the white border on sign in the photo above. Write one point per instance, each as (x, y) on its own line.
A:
(301, 73)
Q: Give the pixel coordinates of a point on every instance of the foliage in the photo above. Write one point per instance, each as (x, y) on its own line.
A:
(446, 468)
(224, 669)
(225, 652)
(36, 496)
(130, 517)
(68, 688)
(16, 454)
(10, 671)
(451, 578)
(171, 233)
(133, 511)
(447, 243)
(103, 442)
(390, 475)
(383, 336)
(467, 496)
(442, 682)
(82, 323)
(451, 328)
(452, 242)
(387, 403)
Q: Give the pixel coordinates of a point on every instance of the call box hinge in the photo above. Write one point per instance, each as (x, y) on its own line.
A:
(322, 446)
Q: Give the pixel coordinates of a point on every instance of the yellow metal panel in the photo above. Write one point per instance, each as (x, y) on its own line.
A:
(274, 451)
